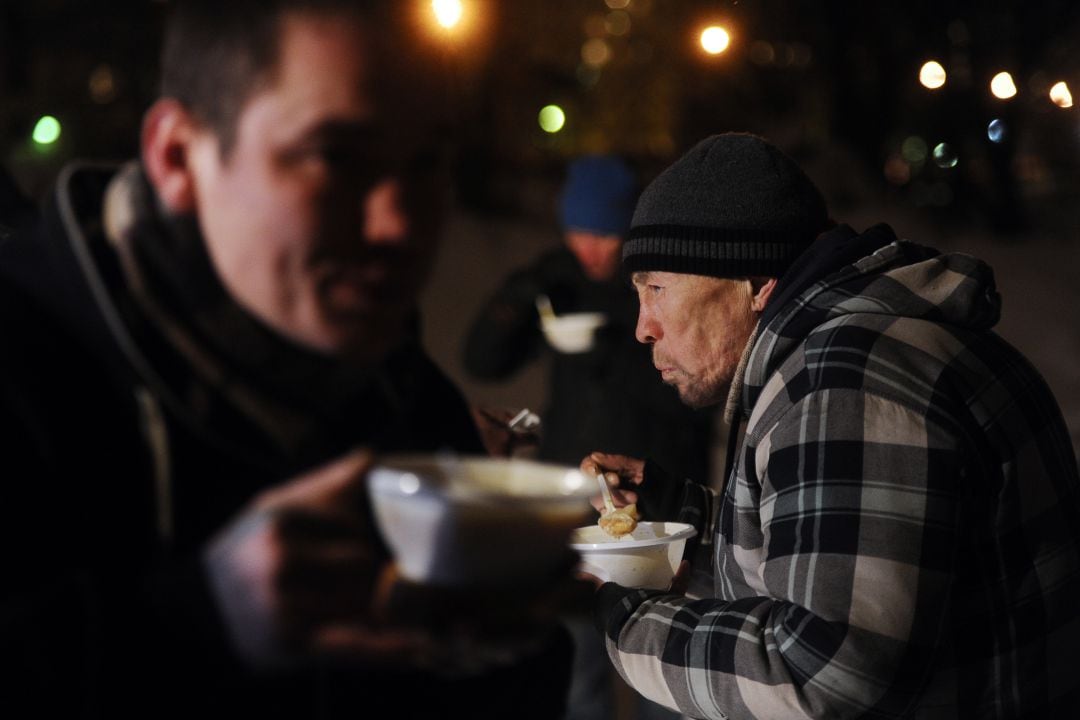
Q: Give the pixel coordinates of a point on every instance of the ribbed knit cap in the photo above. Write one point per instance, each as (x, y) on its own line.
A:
(733, 206)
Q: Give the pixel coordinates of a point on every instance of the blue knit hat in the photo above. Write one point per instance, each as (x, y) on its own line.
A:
(599, 195)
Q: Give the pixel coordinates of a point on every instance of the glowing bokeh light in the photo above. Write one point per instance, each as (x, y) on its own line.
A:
(447, 12)
(1060, 95)
(897, 170)
(803, 54)
(995, 131)
(944, 156)
(46, 130)
(595, 52)
(617, 23)
(617, 4)
(595, 26)
(914, 150)
(762, 53)
(102, 85)
(552, 118)
(1002, 86)
(715, 39)
(932, 75)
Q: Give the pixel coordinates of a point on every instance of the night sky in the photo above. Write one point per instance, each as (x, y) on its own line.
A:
(823, 79)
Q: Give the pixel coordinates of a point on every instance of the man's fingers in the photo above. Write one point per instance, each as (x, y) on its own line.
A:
(621, 498)
(628, 469)
(589, 578)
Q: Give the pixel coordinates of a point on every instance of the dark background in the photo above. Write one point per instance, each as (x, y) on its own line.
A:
(833, 82)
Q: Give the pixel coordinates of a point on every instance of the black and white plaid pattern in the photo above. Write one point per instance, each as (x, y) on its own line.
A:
(901, 537)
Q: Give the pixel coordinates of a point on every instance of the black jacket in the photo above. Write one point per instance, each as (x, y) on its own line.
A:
(119, 464)
(609, 398)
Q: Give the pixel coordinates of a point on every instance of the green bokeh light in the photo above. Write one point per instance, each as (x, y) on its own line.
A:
(552, 118)
(46, 130)
(914, 150)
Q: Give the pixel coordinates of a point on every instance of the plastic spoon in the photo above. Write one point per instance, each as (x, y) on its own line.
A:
(543, 306)
(524, 422)
(616, 522)
(605, 493)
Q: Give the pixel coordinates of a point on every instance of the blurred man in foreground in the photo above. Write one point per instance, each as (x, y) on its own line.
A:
(899, 534)
(194, 347)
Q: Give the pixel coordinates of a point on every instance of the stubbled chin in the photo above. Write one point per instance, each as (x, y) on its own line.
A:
(698, 398)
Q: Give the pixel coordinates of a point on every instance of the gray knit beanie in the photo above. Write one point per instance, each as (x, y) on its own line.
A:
(733, 206)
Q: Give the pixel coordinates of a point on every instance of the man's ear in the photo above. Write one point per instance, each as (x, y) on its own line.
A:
(167, 133)
(762, 288)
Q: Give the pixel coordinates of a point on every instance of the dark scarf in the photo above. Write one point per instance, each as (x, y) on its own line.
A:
(293, 394)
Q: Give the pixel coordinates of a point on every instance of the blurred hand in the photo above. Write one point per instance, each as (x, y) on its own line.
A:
(294, 575)
(591, 579)
(630, 472)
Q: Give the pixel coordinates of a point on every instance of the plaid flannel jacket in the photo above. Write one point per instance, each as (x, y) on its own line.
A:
(901, 533)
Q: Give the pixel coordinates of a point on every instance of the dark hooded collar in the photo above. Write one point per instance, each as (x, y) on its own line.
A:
(829, 253)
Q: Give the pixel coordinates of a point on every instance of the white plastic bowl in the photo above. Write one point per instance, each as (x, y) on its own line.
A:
(646, 559)
(477, 520)
(573, 332)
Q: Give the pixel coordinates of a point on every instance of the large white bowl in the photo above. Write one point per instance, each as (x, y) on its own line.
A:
(573, 332)
(477, 520)
(646, 559)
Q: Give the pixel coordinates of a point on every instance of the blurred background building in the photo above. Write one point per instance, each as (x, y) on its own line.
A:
(953, 120)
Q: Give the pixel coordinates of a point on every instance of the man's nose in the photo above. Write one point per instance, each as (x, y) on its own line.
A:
(385, 218)
(647, 330)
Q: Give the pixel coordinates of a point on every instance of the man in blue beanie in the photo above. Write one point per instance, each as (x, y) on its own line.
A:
(596, 204)
(588, 407)
(604, 398)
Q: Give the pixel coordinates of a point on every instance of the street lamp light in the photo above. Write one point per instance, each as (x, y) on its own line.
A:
(1002, 86)
(447, 12)
(1060, 95)
(715, 39)
(932, 75)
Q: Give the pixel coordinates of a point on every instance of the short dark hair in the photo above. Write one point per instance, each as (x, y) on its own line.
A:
(217, 53)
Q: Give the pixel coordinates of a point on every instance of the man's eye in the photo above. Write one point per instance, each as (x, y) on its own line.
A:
(654, 289)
